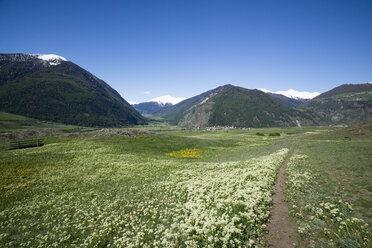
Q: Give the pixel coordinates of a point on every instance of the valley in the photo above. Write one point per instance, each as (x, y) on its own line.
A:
(186, 124)
(186, 187)
(229, 167)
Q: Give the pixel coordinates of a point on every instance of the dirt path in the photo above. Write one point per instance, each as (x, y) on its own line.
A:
(282, 232)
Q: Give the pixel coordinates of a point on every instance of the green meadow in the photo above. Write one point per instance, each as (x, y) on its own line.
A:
(186, 188)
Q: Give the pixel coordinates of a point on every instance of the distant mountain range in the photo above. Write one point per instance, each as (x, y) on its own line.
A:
(155, 105)
(48, 87)
(346, 104)
(291, 98)
(229, 105)
(294, 94)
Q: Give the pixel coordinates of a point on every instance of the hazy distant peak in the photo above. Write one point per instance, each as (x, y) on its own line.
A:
(167, 99)
(291, 93)
(52, 59)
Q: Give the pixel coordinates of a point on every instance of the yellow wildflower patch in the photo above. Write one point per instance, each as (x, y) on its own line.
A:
(187, 153)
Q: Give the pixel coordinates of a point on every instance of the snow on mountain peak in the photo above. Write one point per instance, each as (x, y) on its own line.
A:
(291, 93)
(52, 59)
(264, 90)
(167, 99)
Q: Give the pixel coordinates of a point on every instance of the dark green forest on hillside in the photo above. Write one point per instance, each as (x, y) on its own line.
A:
(343, 105)
(252, 108)
(62, 93)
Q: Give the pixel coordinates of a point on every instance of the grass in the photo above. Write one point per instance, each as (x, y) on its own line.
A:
(179, 188)
(11, 122)
(12, 117)
(332, 174)
(128, 192)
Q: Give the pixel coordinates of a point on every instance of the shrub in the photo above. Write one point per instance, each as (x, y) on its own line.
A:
(274, 134)
(260, 134)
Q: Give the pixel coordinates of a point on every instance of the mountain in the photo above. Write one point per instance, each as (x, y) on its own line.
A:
(292, 98)
(149, 108)
(48, 87)
(230, 105)
(167, 100)
(346, 88)
(290, 102)
(345, 104)
(155, 105)
(291, 93)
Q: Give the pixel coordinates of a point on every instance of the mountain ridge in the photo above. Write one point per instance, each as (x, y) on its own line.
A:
(231, 105)
(62, 92)
(291, 93)
(343, 105)
(157, 104)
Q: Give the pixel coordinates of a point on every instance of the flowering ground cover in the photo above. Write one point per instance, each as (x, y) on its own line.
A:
(186, 153)
(329, 190)
(174, 189)
(127, 192)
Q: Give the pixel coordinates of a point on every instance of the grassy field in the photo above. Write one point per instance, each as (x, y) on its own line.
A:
(181, 188)
(329, 187)
(11, 122)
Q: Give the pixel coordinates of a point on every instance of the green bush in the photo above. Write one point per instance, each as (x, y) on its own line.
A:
(260, 134)
(274, 134)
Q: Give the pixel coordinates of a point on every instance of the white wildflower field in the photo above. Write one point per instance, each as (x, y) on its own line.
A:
(85, 193)
(320, 202)
(177, 189)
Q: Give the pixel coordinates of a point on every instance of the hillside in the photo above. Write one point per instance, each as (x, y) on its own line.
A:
(343, 105)
(12, 121)
(230, 105)
(290, 102)
(54, 89)
(346, 88)
(149, 108)
(175, 113)
(157, 104)
(291, 97)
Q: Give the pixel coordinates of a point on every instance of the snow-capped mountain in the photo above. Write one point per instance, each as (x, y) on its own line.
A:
(52, 59)
(233, 105)
(58, 90)
(46, 59)
(157, 104)
(291, 97)
(167, 99)
(291, 93)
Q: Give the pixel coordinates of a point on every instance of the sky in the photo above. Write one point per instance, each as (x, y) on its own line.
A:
(145, 49)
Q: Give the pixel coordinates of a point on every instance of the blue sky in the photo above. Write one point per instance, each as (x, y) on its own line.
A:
(185, 47)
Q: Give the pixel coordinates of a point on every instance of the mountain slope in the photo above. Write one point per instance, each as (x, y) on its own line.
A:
(345, 104)
(155, 105)
(294, 94)
(175, 113)
(51, 88)
(346, 88)
(168, 99)
(149, 108)
(291, 98)
(290, 102)
(230, 105)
